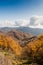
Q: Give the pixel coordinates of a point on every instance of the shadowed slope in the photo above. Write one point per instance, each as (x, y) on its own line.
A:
(34, 50)
(19, 36)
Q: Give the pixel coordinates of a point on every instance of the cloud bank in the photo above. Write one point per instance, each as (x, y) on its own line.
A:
(33, 22)
(36, 22)
(14, 23)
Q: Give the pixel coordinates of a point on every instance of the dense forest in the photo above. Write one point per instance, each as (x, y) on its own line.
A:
(19, 48)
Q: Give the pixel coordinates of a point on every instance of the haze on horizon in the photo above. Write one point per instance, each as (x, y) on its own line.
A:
(27, 13)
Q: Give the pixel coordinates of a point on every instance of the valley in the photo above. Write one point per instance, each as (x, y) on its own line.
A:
(20, 48)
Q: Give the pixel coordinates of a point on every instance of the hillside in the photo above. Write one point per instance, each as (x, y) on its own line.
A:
(31, 52)
(19, 36)
(7, 43)
(33, 31)
(9, 50)
(34, 50)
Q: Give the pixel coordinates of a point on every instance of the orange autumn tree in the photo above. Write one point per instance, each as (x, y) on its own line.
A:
(8, 42)
(34, 49)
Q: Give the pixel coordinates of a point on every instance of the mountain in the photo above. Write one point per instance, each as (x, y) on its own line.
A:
(33, 31)
(19, 36)
(20, 48)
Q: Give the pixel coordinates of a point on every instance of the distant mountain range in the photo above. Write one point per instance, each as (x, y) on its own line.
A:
(33, 31)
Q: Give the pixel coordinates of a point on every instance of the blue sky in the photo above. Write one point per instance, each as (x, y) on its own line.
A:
(20, 9)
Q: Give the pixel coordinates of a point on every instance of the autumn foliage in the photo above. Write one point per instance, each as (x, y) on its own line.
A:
(8, 43)
(33, 50)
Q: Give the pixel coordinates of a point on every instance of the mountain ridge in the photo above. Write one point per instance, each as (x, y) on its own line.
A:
(33, 31)
(29, 52)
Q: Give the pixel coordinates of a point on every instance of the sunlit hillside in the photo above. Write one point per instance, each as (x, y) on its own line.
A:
(7, 43)
(30, 53)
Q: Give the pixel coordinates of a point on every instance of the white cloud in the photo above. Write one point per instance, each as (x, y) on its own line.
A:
(33, 22)
(7, 23)
(13, 23)
(22, 23)
(36, 22)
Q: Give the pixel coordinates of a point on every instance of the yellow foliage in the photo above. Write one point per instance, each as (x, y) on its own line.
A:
(35, 46)
(7, 41)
